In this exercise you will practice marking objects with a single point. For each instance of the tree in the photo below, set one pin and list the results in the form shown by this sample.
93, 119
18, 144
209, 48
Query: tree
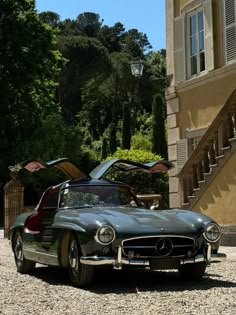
111, 37
104, 150
141, 182
126, 132
159, 143
50, 18
29, 69
135, 43
87, 58
89, 23
112, 140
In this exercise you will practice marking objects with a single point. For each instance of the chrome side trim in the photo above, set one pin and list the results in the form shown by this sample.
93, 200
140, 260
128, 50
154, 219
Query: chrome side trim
26, 230
40, 257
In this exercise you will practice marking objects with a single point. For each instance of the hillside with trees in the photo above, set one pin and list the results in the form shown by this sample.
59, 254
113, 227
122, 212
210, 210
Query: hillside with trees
66, 89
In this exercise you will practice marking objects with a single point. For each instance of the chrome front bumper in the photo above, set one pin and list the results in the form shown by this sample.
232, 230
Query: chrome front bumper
119, 261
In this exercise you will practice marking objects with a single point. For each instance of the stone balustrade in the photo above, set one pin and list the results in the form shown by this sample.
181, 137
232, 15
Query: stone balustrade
218, 139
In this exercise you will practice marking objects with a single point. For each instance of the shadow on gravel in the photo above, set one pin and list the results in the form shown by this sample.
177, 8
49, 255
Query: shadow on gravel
120, 282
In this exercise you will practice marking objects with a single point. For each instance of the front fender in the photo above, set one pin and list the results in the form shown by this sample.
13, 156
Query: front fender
64, 237
68, 226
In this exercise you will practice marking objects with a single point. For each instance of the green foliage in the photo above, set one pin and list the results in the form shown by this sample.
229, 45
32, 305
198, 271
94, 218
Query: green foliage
126, 132
89, 23
29, 70
50, 18
112, 139
104, 150
135, 43
87, 59
159, 142
135, 155
111, 37
141, 142
97, 81
52, 140
64, 85
157, 61
141, 182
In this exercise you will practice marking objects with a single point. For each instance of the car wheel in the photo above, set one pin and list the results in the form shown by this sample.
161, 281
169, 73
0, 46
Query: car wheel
23, 265
80, 275
192, 271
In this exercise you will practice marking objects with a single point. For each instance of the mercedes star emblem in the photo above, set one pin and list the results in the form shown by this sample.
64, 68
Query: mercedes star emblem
164, 246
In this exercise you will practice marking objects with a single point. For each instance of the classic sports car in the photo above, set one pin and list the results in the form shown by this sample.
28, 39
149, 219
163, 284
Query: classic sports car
89, 221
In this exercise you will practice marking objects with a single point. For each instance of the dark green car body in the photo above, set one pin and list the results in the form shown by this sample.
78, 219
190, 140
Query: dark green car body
82, 235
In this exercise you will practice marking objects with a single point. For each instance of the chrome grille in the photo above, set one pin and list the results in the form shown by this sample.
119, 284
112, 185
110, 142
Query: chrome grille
159, 246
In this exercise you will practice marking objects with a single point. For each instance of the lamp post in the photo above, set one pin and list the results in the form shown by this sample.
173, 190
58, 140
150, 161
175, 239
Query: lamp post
136, 68
137, 71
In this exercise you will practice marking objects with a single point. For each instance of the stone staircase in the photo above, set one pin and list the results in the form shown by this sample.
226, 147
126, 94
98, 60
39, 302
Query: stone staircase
215, 148
209, 158
208, 177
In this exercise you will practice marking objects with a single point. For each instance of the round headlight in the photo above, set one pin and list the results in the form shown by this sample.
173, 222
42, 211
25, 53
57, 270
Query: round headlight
105, 235
212, 232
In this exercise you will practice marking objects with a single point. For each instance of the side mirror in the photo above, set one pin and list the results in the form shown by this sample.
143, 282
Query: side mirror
155, 205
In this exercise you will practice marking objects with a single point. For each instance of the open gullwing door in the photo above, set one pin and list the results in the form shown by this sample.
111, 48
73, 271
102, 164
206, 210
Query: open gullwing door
64, 164
130, 166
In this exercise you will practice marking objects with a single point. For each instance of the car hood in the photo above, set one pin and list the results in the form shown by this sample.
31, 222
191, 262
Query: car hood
141, 220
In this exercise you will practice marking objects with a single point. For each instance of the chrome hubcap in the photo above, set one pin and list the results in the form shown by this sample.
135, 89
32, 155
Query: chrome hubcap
18, 248
73, 256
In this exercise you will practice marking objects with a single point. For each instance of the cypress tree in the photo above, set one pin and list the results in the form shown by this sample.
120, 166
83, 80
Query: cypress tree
159, 143
113, 141
104, 150
126, 131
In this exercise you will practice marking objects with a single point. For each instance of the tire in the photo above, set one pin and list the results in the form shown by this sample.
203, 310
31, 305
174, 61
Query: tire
23, 265
192, 271
80, 275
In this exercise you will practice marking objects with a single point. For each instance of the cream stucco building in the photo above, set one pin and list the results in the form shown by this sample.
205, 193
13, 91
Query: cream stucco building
201, 107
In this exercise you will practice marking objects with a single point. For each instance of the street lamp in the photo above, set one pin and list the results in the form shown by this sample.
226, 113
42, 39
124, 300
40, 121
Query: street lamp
136, 68
137, 71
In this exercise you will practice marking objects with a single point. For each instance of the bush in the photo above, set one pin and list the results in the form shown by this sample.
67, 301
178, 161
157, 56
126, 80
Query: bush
141, 182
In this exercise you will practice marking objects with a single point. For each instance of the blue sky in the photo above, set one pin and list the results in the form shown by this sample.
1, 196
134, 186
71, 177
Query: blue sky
146, 16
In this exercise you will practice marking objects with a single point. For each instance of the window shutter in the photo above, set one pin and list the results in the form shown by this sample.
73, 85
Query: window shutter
230, 30
179, 49
182, 153
208, 31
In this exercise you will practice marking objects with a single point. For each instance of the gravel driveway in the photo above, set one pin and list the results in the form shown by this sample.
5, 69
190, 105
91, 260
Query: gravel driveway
47, 291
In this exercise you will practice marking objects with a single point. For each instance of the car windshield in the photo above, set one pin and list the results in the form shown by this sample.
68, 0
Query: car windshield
97, 196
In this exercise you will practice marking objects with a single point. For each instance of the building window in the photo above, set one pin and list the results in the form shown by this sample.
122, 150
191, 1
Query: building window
196, 42
193, 40
229, 8
188, 144
192, 144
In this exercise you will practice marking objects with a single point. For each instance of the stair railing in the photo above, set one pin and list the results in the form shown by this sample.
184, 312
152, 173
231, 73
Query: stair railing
209, 150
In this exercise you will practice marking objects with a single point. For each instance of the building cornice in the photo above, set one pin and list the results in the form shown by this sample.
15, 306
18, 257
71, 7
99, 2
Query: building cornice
209, 77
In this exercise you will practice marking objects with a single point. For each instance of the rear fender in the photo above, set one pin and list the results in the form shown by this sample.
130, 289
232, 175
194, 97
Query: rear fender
13, 232
19, 224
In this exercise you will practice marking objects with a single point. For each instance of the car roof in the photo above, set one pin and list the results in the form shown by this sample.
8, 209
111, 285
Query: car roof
93, 182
